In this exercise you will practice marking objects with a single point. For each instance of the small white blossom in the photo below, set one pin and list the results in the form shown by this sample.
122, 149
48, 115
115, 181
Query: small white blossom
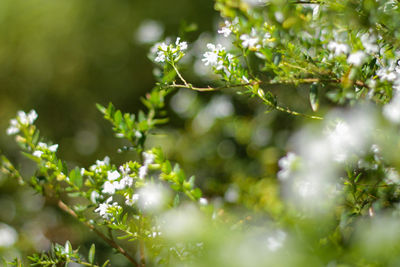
53, 148
22, 119
13, 129
109, 188
37, 153
166, 51
356, 58
104, 208
338, 48
391, 111
111, 176
368, 40
288, 165
213, 57
130, 201
251, 41
275, 241
227, 29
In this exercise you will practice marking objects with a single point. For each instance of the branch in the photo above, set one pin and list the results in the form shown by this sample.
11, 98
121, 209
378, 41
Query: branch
109, 241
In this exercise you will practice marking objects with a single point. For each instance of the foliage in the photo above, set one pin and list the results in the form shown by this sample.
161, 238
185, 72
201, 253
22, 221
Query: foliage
333, 201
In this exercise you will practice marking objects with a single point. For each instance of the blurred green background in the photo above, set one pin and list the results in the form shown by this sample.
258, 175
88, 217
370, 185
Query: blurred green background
60, 58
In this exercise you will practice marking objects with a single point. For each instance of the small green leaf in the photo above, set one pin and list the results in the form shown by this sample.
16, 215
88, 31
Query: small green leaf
76, 177
105, 263
117, 117
314, 98
101, 108
91, 254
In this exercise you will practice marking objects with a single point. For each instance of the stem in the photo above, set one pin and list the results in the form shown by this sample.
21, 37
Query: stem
109, 241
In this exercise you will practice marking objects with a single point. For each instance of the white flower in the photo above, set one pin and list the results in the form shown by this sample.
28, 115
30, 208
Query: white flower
338, 48
37, 153
275, 241
182, 46
111, 176
53, 148
151, 197
108, 188
149, 31
104, 208
251, 41
288, 164
391, 111
143, 171
22, 119
13, 129
130, 201
164, 51
227, 29
94, 196
148, 158
356, 58
368, 40
8, 235
212, 57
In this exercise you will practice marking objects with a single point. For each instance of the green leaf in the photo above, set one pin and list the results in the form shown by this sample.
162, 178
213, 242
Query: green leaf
105, 263
117, 117
76, 177
314, 97
101, 108
91, 253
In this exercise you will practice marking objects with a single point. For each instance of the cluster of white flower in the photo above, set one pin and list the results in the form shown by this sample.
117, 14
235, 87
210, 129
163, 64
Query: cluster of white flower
22, 120
169, 52
107, 208
150, 197
112, 184
338, 48
252, 41
214, 56
391, 111
368, 40
229, 27
357, 58
42, 148
100, 164
148, 159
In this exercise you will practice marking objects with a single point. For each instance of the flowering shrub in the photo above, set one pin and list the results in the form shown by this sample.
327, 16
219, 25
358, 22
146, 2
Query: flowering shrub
334, 199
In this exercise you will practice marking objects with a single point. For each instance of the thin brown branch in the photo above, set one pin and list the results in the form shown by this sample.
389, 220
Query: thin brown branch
109, 241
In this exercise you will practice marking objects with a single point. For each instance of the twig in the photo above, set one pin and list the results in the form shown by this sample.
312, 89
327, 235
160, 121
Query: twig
109, 241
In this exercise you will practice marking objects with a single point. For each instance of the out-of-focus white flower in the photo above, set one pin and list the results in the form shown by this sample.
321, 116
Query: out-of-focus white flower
111, 176
338, 48
276, 240
130, 201
288, 165
8, 235
109, 188
368, 40
37, 153
151, 197
149, 31
251, 41
356, 58
391, 111
94, 196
